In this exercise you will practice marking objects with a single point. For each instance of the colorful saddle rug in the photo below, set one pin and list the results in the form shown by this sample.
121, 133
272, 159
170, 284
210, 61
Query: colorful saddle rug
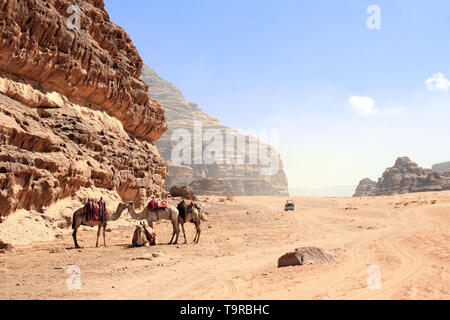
95, 211
156, 205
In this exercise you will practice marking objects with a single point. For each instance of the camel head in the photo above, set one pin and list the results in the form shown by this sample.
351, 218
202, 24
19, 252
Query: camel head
204, 216
139, 236
125, 205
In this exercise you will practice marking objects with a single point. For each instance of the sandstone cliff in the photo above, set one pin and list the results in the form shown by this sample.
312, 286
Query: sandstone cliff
441, 167
242, 179
407, 177
73, 110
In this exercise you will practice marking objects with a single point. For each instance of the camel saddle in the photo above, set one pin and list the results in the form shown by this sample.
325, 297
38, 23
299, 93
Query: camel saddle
156, 205
95, 211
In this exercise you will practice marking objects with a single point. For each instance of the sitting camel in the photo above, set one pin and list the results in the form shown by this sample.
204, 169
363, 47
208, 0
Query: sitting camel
144, 235
80, 218
170, 213
191, 212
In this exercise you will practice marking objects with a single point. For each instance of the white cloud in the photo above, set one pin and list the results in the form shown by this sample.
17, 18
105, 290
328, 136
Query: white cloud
363, 106
394, 111
438, 82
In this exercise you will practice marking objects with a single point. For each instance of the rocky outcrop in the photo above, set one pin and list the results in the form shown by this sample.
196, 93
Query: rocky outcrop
48, 154
182, 192
211, 187
366, 188
244, 179
96, 66
304, 256
407, 177
73, 110
441, 167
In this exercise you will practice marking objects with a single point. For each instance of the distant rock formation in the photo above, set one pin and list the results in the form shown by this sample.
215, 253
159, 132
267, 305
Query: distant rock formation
73, 110
407, 177
441, 167
243, 179
179, 175
211, 187
366, 188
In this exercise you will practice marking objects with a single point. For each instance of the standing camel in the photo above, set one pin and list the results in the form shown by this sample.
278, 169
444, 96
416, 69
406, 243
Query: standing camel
170, 213
80, 218
190, 213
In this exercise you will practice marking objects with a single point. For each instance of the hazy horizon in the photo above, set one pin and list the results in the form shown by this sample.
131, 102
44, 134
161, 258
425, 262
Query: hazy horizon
346, 99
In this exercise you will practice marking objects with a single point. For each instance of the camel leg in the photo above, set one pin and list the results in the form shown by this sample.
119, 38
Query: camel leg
76, 225
104, 234
184, 232
98, 234
74, 235
150, 222
176, 230
171, 239
196, 232
199, 231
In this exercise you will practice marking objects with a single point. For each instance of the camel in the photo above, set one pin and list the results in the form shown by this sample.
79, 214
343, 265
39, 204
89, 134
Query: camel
170, 213
143, 236
79, 218
191, 213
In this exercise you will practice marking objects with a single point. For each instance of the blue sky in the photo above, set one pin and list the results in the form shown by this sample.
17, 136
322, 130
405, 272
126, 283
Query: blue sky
295, 65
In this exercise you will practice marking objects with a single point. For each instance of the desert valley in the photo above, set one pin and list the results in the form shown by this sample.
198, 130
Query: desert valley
406, 236
82, 118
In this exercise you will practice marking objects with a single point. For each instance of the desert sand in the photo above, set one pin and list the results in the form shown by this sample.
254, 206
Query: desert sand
406, 236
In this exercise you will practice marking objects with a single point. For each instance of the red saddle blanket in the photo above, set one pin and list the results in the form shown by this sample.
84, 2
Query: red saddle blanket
155, 205
95, 211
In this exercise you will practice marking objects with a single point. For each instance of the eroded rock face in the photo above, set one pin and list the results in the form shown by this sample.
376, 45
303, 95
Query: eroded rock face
407, 177
366, 188
49, 154
96, 66
211, 187
73, 111
179, 175
243, 179
303, 256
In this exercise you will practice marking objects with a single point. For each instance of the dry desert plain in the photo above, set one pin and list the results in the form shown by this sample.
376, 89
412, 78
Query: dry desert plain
406, 236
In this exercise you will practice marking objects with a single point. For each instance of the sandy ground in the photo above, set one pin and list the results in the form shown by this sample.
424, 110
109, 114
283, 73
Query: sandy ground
407, 237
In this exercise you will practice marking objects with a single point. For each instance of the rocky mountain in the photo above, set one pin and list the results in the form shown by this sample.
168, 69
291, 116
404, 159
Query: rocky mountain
243, 179
405, 177
366, 188
441, 167
74, 112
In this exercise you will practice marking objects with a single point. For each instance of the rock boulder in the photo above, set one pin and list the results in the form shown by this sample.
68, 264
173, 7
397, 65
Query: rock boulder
183, 192
305, 255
